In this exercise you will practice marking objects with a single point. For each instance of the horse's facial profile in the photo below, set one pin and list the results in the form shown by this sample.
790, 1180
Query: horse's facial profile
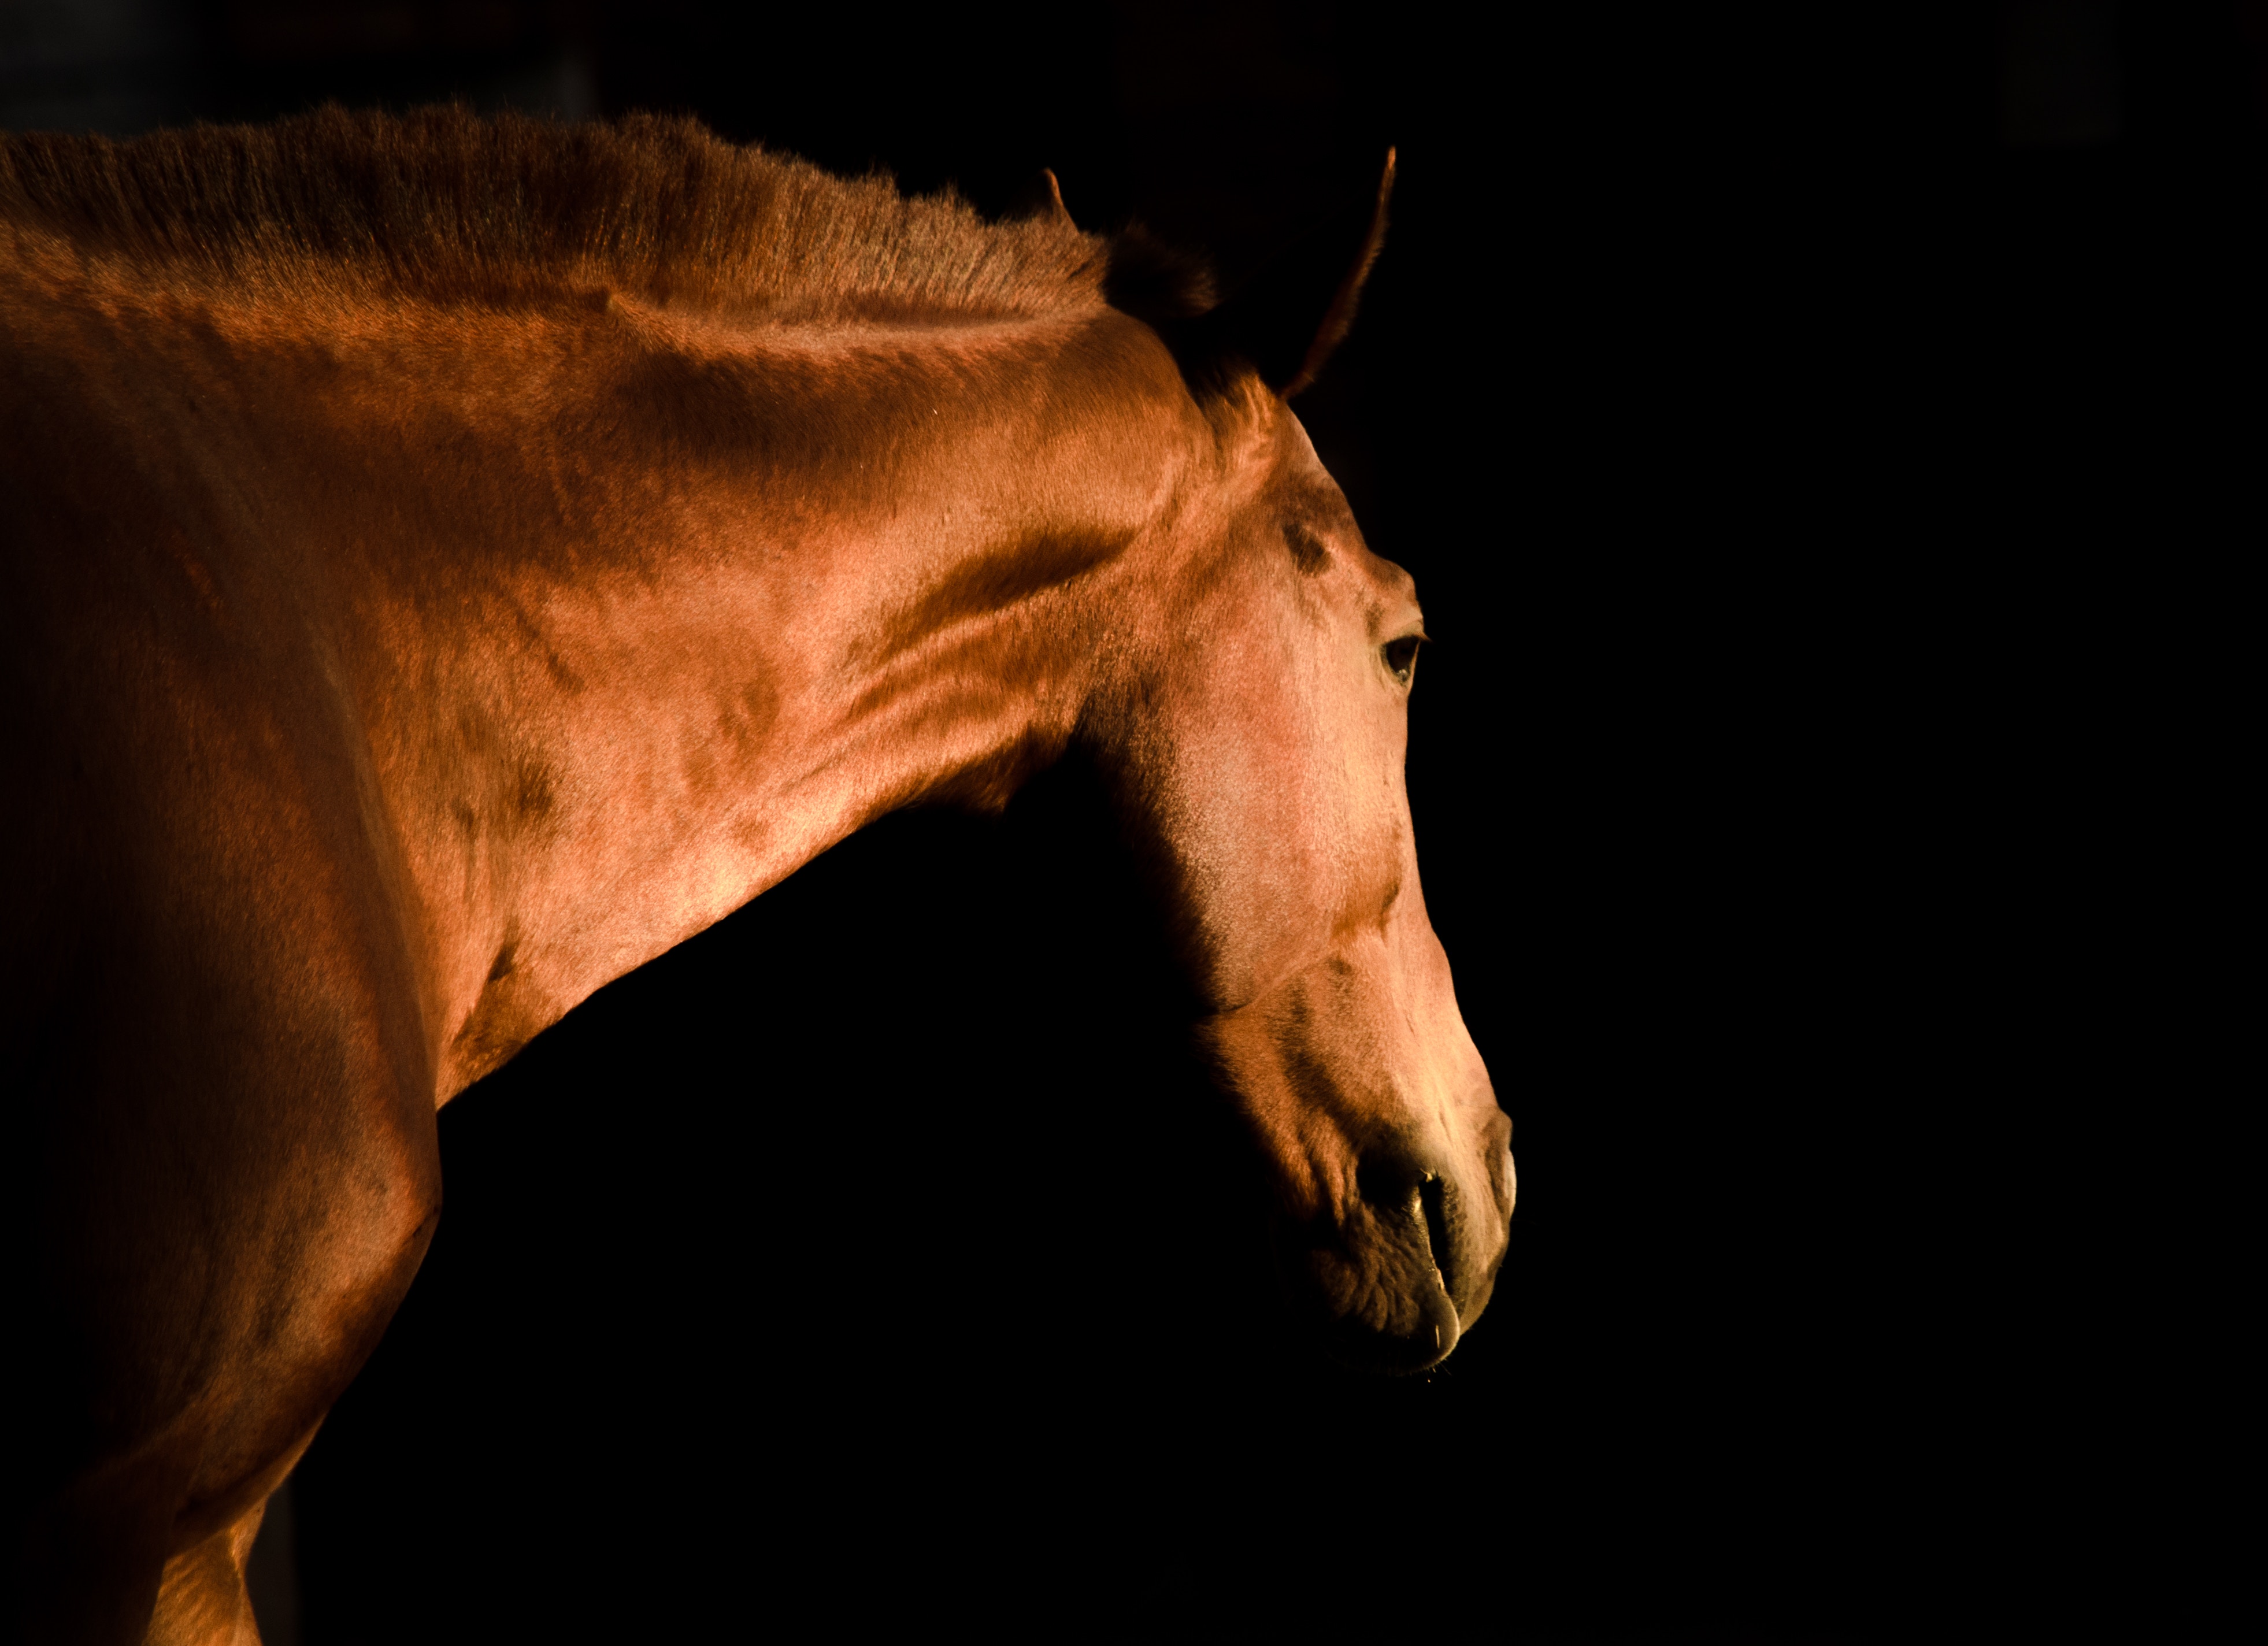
1268, 753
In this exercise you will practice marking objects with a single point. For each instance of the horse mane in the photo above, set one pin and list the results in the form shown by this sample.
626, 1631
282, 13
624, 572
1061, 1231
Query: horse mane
447, 205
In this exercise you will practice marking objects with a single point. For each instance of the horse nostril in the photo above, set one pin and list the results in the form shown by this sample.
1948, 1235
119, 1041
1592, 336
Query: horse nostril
1402, 1189
1401, 1256
1431, 1196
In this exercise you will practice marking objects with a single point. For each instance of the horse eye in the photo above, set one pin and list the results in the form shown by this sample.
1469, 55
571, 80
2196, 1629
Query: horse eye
1401, 656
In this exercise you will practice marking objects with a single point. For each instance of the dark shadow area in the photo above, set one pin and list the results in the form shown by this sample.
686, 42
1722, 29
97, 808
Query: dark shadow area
1790, 436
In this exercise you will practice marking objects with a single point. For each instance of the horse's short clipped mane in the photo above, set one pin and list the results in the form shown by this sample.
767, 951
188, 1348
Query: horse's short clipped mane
448, 206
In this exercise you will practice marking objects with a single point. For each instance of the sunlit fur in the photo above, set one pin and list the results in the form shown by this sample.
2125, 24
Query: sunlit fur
447, 564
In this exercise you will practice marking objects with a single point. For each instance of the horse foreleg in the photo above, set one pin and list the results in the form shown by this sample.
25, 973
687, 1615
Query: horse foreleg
202, 1596
192, 1415
201, 1600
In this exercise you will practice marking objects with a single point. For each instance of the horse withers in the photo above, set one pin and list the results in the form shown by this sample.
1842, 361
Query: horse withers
451, 562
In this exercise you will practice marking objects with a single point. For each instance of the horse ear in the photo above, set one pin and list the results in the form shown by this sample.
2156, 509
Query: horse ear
1058, 210
1288, 319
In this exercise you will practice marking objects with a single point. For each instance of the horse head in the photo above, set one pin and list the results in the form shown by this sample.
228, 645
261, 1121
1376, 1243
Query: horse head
1263, 752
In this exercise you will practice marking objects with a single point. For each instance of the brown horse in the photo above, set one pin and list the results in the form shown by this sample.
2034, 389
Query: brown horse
449, 562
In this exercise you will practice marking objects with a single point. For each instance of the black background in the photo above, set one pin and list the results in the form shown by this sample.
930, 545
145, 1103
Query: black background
1763, 411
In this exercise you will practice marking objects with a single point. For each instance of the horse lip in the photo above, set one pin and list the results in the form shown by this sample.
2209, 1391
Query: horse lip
1370, 1347
1447, 1328
1364, 1348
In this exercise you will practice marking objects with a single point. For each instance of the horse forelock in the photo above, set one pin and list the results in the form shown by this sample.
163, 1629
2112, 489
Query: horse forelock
446, 204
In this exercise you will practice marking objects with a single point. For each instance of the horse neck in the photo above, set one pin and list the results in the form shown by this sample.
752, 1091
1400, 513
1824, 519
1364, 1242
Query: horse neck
686, 610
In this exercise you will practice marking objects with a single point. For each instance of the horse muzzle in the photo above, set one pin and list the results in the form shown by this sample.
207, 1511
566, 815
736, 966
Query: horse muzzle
1406, 1264
1392, 1162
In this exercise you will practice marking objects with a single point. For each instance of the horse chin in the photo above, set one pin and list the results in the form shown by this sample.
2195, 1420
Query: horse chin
1359, 1347
1370, 1290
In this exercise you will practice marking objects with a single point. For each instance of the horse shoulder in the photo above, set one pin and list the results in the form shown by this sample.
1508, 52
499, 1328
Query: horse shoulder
227, 1157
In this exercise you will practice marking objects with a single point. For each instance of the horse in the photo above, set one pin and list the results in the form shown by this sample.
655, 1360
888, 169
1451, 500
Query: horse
450, 561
